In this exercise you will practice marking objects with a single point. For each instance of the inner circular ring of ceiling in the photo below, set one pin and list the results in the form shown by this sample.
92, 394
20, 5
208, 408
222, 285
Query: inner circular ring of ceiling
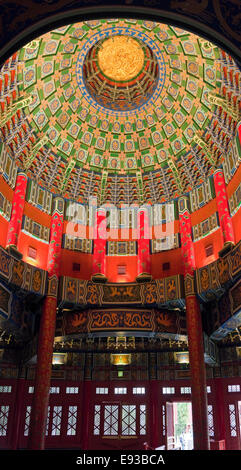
103, 35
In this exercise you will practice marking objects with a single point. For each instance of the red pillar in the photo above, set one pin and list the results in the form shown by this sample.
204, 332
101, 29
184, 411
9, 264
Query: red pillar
143, 257
46, 334
155, 413
15, 223
87, 389
99, 253
225, 218
194, 330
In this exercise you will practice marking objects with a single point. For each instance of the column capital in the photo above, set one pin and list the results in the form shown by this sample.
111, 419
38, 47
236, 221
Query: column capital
21, 172
184, 204
189, 284
218, 171
58, 205
223, 207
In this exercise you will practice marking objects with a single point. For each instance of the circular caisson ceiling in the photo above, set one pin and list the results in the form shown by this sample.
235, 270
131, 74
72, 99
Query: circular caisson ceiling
124, 110
120, 73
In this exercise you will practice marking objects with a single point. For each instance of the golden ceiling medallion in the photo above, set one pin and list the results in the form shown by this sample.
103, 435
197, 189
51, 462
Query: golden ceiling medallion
121, 58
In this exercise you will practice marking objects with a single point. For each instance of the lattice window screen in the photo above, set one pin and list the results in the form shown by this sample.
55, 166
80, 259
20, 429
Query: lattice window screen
4, 412
97, 420
210, 421
128, 420
142, 419
111, 420
27, 420
232, 420
72, 421
56, 423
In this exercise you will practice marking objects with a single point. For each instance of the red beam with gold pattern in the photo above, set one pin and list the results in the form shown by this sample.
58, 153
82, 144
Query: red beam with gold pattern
143, 258
15, 222
223, 208
99, 252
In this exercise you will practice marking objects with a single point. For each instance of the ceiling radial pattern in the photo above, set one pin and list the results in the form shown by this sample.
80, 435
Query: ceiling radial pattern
129, 111
120, 73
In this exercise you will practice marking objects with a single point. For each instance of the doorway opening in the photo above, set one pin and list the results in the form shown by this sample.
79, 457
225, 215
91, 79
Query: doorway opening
183, 428
179, 428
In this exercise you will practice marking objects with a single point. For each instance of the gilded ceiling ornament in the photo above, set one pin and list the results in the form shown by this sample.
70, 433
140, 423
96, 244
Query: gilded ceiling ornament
121, 58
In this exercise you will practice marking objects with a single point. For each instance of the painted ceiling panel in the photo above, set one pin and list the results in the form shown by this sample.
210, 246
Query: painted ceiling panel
85, 119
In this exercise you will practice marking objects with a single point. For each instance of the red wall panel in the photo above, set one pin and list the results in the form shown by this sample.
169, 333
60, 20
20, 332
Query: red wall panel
112, 263
173, 257
68, 258
25, 241
214, 239
3, 231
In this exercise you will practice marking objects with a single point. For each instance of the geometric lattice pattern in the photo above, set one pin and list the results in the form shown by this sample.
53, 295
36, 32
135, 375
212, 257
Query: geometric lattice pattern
128, 420
97, 420
113, 92
72, 421
142, 419
111, 420
210, 421
119, 419
4, 411
232, 420
56, 421
27, 420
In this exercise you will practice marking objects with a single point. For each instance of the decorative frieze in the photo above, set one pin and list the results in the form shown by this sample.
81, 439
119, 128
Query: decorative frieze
235, 201
5, 207
77, 244
201, 195
88, 321
125, 248
168, 290
212, 279
170, 242
7, 166
39, 197
35, 229
22, 275
205, 227
232, 158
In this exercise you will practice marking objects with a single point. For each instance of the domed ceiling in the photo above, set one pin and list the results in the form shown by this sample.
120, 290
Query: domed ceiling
124, 110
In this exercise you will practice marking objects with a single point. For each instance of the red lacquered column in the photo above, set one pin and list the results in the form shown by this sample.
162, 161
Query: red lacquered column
195, 334
15, 222
143, 256
87, 421
46, 333
155, 413
223, 208
99, 252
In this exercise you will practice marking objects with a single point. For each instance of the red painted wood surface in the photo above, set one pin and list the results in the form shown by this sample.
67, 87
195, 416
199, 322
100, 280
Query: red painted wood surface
18, 202
84, 435
223, 208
